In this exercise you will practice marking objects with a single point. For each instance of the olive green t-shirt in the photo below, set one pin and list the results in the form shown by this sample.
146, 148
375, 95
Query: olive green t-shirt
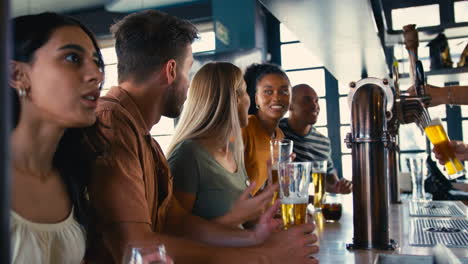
196, 171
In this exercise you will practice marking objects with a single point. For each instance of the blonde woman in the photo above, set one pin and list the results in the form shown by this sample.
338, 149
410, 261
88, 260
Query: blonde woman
206, 153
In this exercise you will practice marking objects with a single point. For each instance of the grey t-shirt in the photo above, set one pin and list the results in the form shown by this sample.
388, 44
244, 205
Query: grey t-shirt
196, 171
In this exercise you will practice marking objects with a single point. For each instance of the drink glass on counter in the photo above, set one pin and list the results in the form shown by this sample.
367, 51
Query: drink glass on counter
332, 207
438, 137
280, 151
416, 169
294, 179
319, 172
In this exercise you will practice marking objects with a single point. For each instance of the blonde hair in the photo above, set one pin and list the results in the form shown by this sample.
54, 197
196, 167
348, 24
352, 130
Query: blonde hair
211, 109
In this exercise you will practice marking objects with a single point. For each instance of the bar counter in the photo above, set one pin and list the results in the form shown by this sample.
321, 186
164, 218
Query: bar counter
333, 237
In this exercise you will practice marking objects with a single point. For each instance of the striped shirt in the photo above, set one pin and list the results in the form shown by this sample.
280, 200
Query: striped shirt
313, 146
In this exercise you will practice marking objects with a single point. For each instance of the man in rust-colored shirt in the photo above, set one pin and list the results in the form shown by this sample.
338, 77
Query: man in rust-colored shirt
131, 182
131, 189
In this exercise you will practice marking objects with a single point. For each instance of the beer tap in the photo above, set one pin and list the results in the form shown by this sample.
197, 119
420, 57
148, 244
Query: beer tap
377, 110
412, 109
407, 108
371, 101
393, 157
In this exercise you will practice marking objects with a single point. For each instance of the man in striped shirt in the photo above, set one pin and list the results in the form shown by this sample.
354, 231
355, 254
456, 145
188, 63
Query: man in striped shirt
309, 144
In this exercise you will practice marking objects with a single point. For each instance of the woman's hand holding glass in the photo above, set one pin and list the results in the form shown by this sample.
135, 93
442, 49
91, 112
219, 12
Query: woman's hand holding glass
248, 208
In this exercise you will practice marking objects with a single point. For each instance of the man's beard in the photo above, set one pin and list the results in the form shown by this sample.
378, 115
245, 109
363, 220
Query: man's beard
173, 105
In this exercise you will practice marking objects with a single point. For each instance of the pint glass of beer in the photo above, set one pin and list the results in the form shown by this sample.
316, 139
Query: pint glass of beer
294, 179
436, 134
319, 172
280, 151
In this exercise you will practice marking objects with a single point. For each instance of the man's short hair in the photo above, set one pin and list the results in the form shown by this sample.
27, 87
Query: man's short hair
296, 87
145, 40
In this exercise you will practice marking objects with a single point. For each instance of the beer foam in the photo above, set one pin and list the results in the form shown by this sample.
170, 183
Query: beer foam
435, 122
289, 200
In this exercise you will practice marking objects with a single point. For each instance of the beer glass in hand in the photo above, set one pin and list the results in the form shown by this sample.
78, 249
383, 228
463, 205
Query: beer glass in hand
438, 137
294, 179
280, 151
319, 172
146, 255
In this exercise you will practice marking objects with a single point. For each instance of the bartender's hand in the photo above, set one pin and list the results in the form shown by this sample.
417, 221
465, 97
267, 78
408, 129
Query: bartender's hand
460, 149
438, 95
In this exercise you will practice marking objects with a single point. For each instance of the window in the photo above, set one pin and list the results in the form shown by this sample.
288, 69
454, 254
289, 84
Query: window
297, 57
423, 16
315, 78
464, 112
345, 128
286, 35
456, 47
345, 110
206, 42
110, 69
438, 112
461, 11
465, 130
347, 165
302, 66
164, 130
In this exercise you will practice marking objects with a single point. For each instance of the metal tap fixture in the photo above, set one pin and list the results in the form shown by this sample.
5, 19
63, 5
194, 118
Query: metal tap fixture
371, 101
377, 110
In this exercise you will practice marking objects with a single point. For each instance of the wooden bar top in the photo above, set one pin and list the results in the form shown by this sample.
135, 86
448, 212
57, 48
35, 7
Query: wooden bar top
333, 237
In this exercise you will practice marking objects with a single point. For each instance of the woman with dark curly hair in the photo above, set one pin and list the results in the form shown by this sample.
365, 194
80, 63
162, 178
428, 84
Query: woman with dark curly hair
268, 87
56, 73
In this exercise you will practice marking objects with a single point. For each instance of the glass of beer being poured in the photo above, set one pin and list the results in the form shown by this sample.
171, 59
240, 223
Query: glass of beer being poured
438, 137
294, 179
280, 151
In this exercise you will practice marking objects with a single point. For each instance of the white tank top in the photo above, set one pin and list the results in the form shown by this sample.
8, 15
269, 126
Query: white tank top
63, 242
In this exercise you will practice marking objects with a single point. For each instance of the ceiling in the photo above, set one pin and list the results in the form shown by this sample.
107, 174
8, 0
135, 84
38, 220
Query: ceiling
355, 38
341, 33
25, 7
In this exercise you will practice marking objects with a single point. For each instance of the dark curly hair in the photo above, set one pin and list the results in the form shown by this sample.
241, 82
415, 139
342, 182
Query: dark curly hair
255, 73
